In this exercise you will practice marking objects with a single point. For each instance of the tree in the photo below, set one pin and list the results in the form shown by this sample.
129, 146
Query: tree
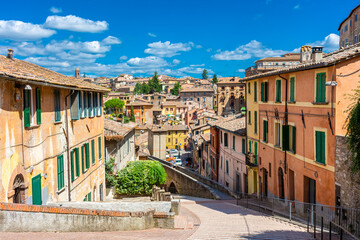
114, 105
154, 84
132, 114
214, 80
138, 88
176, 89
145, 88
205, 74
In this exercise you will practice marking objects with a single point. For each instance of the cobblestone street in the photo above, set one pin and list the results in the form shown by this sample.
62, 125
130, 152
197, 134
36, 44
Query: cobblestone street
213, 220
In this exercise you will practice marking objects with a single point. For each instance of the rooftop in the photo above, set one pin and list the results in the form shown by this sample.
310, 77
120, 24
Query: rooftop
116, 130
197, 90
15, 69
285, 57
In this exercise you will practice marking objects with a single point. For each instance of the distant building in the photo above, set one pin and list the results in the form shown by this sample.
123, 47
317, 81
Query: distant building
272, 63
157, 141
230, 96
202, 96
349, 28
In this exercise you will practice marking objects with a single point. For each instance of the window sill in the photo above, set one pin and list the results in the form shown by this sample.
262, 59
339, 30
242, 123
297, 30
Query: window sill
277, 146
322, 164
320, 103
291, 102
277, 102
60, 191
58, 122
32, 127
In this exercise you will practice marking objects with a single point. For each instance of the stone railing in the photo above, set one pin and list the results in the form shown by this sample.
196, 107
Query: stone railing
159, 194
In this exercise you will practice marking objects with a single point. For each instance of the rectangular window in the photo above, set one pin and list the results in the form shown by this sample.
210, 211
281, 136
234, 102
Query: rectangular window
81, 107
38, 106
226, 139
227, 167
255, 153
234, 142
243, 147
85, 104
278, 91
98, 109
221, 137
255, 122
94, 104
72, 158
255, 91
83, 158
265, 131
292, 139
74, 100
87, 150
57, 108
27, 108
277, 134
60, 172
356, 17
221, 162
249, 91
249, 146
93, 151
292, 89
249, 116
77, 158
285, 137
320, 88
99, 141
90, 104
320, 146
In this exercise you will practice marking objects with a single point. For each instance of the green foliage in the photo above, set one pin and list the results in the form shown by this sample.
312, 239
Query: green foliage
126, 119
110, 178
114, 104
176, 89
214, 80
141, 88
138, 177
205, 74
138, 88
154, 84
353, 136
132, 114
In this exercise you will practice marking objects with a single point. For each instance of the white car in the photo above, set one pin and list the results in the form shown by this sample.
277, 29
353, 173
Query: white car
173, 152
178, 162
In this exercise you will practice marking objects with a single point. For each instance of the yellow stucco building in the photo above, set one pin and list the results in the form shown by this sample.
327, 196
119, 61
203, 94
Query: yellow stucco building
176, 136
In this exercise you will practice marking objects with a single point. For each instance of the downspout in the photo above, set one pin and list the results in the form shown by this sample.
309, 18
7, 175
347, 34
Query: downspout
286, 116
22, 128
67, 142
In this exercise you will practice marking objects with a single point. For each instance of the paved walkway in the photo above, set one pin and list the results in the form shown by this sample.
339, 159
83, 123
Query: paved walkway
213, 220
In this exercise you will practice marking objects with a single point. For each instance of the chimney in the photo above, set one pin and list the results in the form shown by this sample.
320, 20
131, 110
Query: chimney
10, 53
305, 54
317, 53
77, 73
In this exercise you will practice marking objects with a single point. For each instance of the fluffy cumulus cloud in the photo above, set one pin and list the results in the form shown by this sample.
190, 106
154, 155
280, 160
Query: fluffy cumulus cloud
76, 24
21, 31
330, 43
253, 49
176, 61
167, 49
150, 62
110, 40
55, 10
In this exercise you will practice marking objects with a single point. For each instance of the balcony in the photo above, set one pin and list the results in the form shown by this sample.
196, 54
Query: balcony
251, 160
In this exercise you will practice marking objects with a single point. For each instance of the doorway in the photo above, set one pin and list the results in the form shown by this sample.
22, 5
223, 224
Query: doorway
265, 184
291, 185
238, 184
19, 189
281, 183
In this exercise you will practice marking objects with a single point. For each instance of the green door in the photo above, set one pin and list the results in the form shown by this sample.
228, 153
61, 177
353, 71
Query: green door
36, 190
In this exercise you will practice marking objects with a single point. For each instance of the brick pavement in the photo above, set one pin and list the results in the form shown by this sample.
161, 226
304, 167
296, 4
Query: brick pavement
213, 220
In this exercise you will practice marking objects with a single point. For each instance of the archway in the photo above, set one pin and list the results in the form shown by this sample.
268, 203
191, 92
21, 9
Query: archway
172, 188
19, 189
281, 183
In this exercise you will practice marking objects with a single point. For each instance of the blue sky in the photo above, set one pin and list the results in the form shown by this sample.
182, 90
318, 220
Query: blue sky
176, 38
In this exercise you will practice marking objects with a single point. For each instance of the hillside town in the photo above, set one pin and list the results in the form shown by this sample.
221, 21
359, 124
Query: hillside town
279, 145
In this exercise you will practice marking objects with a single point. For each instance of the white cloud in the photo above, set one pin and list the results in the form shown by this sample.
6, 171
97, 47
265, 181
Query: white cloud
297, 7
241, 70
253, 49
89, 47
198, 46
110, 40
55, 10
330, 43
167, 49
152, 35
123, 57
197, 65
149, 62
21, 31
76, 24
176, 61
209, 49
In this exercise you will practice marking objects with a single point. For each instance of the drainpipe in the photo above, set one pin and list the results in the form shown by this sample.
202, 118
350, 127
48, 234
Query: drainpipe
286, 116
67, 142
22, 127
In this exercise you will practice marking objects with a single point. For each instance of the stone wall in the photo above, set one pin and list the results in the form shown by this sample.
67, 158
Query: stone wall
350, 190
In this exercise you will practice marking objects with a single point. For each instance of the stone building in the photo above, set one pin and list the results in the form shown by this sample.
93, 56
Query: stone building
119, 143
51, 138
202, 96
230, 96
349, 28
295, 128
273, 63
157, 141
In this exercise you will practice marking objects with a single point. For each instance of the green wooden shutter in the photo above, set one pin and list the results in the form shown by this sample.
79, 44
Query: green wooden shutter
285, 137
227, 166
255, 153
294, 139
100, 95
100, 147
262, 91
93, 150
94, 105
292, 89
320, 147
38, 106
249, 146
266, 89
77, 162
255, 122
60, 171
72, 165
249, 91
233, 142
85, 104
87, 155
265, 130
249, 116
81, 108
57, 105
320, 87
89, 196
243, 146
27, 108
36, 190
74, 108
83, 157
278, 90
89, 105
323, 87
255, 91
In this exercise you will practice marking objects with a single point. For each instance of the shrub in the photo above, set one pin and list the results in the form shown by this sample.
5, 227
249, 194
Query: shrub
110, 177
138, 177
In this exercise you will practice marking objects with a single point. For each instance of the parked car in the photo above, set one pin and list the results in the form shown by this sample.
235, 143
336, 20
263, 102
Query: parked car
174, 152
178, 162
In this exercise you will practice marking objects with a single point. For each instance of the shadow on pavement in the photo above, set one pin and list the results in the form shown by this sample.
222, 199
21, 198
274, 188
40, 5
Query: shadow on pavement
298, 235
